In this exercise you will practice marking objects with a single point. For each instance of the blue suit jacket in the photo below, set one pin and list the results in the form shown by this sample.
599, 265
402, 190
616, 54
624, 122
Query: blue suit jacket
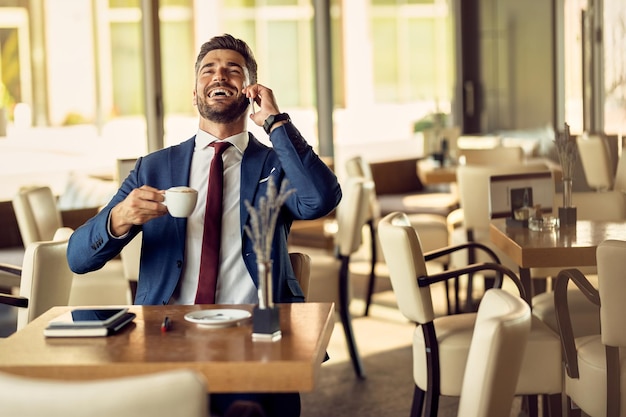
163, 248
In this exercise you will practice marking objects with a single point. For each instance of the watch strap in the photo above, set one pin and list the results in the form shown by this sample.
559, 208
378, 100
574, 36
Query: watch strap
274, 118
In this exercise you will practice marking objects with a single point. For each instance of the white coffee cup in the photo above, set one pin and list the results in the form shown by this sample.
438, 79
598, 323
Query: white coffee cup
180, 201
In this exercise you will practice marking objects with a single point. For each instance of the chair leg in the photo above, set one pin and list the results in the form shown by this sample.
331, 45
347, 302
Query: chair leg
551, 405
418, 402
346, 319
372, 280
457, 304
529, 404
432, 364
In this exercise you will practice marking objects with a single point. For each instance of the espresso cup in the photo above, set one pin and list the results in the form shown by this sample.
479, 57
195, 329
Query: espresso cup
180, 201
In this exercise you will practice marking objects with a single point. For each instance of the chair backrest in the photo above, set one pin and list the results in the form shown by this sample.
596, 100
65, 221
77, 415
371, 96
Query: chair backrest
405, 260
301, 264
611, 259
38, 216
591, 205
46, 279
596, 161
131, 253
619, 182
357, 167
473, 186
181, 393
352, 214
495, 355
500, 155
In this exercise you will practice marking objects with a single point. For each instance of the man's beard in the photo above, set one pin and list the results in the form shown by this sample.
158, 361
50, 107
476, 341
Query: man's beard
229, 114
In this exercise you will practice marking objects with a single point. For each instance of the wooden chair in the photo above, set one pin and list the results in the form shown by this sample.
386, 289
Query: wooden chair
495, 355
181, 393
301, 264
45, 280
441, 344
594, 363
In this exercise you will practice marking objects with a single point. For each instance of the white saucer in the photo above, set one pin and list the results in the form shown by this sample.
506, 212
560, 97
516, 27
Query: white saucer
223, 317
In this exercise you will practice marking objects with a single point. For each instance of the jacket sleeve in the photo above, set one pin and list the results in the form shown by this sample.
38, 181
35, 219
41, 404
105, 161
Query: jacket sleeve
317, 189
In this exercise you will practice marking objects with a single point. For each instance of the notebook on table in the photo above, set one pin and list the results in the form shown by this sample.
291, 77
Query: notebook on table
85, 322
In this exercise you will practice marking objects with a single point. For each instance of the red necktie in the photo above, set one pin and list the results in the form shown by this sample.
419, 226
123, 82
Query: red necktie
210, 258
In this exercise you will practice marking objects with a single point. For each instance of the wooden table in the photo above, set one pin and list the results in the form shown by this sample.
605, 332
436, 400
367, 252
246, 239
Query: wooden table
228, 358
567, 247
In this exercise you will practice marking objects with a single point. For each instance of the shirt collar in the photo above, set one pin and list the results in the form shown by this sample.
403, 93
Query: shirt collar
239, 141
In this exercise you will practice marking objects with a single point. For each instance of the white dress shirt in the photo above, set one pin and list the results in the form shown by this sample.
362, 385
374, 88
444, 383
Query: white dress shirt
234, 283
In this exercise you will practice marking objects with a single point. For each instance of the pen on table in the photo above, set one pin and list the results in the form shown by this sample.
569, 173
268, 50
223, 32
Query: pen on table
167, 323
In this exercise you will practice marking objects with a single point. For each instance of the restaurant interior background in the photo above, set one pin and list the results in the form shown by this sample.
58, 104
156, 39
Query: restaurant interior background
78, 77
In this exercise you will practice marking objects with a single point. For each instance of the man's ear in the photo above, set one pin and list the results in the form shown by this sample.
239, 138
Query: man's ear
195, 99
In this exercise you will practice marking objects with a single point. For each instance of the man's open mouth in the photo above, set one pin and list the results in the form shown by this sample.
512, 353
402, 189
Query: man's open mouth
220, 92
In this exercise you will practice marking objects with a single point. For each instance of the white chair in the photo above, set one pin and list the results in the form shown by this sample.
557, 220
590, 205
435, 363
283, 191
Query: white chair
131, 253
619, 182
432, 227
596, 161
330, 274
595, 372
38, 218
473, 184
441, 344
495, 355
37, 214
591, 205
45, 279
180, 393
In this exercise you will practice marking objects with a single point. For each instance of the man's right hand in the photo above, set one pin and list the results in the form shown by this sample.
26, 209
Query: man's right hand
140, 206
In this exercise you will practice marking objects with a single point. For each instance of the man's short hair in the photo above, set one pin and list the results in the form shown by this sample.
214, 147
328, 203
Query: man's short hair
227, 41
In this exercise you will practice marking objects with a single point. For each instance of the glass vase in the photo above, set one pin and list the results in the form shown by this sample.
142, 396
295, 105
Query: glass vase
264, 270
266, 316
567, 192
567, 213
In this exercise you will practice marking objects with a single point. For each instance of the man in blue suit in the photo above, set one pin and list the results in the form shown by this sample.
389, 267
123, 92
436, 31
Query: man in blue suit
226, 90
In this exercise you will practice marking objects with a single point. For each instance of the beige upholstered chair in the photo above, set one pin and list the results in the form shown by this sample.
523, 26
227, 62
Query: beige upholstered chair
495, 355
596, 161
594, 364
38, 218
37, 214
591, 205
619, 183
45, 280
330, 273
473, 184
432, 227
447, 338
180, 393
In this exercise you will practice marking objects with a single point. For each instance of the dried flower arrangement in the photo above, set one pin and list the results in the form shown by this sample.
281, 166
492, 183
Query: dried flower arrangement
567, 151
263, 219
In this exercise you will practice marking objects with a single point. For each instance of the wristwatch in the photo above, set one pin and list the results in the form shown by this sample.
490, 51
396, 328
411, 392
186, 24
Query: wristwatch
269, 122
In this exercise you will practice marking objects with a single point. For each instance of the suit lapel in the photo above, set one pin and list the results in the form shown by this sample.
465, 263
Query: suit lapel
251, 170
179, 162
